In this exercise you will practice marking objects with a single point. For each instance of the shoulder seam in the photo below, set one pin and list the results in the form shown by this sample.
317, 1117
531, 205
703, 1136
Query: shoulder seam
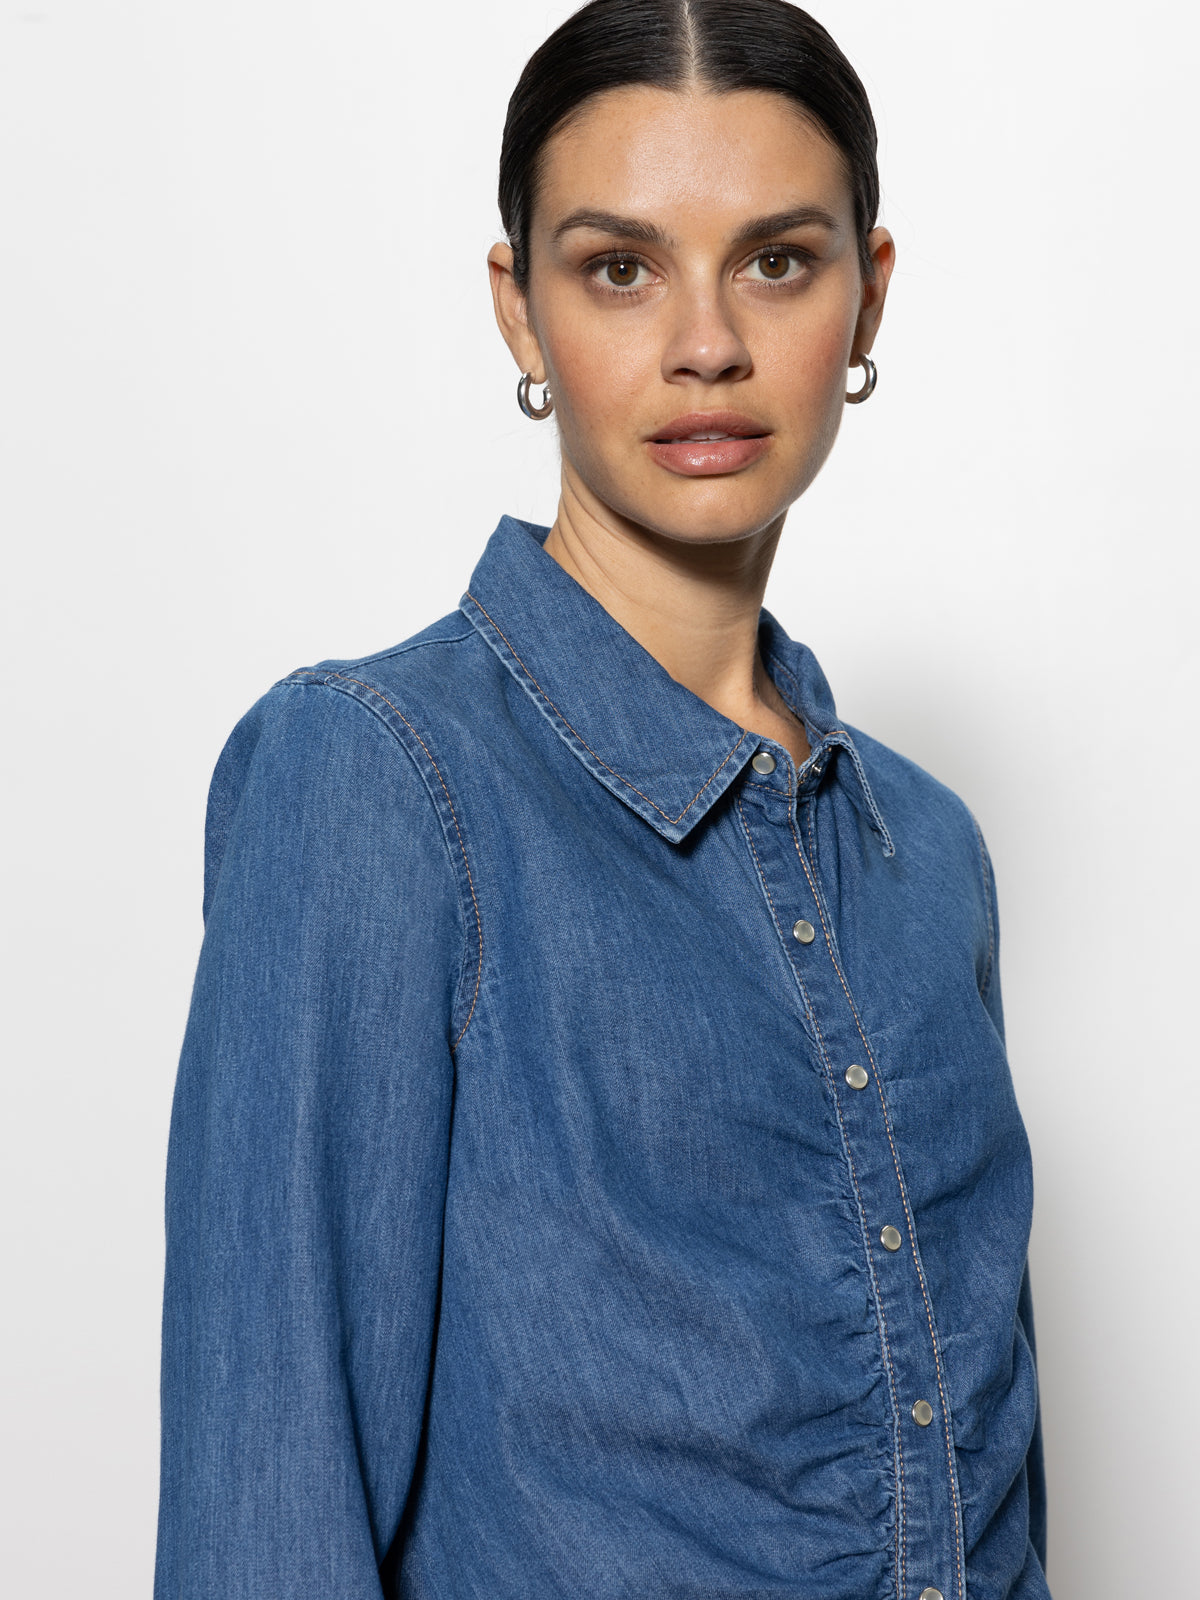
387, 655
321, 679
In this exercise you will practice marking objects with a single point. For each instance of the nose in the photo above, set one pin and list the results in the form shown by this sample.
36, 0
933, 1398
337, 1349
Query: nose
704, 342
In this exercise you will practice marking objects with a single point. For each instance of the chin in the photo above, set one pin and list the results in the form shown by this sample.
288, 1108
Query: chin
714, 520
712, 510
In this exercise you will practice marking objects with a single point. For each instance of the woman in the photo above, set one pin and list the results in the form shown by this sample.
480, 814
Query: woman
594, 1168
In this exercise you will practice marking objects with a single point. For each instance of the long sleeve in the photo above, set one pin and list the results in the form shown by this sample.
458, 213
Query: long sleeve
1034, 1461
307, 1161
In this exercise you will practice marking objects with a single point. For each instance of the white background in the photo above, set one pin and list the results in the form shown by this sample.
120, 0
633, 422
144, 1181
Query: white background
254, 411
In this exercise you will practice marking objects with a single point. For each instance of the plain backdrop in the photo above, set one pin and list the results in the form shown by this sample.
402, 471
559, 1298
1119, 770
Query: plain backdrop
254, 411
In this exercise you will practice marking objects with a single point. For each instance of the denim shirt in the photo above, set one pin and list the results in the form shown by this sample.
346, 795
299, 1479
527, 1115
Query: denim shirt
594, 1169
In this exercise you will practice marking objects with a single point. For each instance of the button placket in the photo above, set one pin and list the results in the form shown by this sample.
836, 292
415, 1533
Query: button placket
930, 1516
769, 784
930, 1488
927, 1526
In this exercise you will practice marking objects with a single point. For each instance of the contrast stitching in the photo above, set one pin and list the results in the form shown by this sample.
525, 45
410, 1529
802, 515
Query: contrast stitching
889, 848
767, 890
797, 712
788, 673
986, 985
588, 747
842, 738
912, 1230
453, 817
901, 1545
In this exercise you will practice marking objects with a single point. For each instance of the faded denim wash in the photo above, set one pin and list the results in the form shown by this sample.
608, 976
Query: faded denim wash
525, 1224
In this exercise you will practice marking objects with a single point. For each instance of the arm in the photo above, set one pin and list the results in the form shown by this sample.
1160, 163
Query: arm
307, 1161
1034, 1466
990, 993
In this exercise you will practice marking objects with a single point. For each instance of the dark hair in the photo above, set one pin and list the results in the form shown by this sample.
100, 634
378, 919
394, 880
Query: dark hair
721, 45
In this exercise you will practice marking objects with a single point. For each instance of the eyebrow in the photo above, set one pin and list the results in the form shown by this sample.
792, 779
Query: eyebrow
649, 233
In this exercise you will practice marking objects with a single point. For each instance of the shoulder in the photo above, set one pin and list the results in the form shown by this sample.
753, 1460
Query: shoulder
928, 820
418, 681
346, 749
350, 706
938, 843
908, 785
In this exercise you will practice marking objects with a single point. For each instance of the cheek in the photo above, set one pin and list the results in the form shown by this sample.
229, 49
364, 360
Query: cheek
807, 370
602, 372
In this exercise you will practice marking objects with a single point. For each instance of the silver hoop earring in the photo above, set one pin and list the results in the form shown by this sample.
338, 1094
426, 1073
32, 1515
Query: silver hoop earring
536, 413
868, 388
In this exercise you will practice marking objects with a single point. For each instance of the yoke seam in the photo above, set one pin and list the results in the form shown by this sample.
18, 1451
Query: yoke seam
393, 652
345, 678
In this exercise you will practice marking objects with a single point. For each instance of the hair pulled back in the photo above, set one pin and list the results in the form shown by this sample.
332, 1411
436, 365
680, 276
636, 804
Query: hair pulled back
719, 45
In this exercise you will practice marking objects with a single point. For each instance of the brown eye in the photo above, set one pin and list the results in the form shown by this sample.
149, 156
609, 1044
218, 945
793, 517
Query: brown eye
622, 273
774, 266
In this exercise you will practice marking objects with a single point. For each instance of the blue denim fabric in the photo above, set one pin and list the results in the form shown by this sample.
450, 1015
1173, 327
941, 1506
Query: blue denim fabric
523, 1226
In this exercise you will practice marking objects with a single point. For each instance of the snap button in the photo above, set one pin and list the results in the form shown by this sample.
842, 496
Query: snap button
922, 1413
932, 1594
804, 931
763, 761
856, 1076
890, 1238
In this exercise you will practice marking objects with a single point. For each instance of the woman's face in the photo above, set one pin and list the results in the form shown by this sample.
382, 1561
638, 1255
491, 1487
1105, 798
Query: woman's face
693, 269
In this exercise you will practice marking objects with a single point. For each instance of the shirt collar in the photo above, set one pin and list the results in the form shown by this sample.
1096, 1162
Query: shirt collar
666, 753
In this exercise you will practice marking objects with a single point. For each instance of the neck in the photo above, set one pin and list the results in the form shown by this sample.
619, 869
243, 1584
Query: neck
693, 606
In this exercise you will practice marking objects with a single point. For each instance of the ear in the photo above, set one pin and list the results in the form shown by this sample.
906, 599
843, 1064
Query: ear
883, 254
512, 313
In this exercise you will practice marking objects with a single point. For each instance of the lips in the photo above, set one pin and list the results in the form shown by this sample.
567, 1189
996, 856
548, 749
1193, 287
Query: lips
707, 425
705, 444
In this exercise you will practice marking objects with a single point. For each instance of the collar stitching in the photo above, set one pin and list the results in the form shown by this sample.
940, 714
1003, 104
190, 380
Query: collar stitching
588, 747
841, 736
795, 682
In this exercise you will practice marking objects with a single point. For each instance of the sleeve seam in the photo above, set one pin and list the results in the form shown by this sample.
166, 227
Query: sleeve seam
306, 678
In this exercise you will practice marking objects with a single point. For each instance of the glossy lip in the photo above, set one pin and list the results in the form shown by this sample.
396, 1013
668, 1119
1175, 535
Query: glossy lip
671, 448
732, 422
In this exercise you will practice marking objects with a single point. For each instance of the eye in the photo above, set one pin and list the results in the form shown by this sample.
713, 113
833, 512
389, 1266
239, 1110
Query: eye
774, 266
622, 273
778, 266
617, 273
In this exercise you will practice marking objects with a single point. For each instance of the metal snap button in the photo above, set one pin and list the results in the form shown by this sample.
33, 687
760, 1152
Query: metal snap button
890, 1238
804, 931
856, 1076
922, 1413
932, 1594
763, 761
